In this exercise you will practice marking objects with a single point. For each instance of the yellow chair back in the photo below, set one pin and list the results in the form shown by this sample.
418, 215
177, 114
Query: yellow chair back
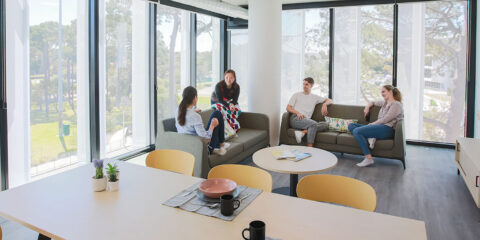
244, 175
171, 160
338, 189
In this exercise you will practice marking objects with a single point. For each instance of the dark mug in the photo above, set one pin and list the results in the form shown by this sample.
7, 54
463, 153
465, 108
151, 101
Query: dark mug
227, 205
256, 230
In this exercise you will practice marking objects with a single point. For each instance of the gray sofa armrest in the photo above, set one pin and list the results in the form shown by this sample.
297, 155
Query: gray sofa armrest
254, 121
187, 143
285, 124
399, 140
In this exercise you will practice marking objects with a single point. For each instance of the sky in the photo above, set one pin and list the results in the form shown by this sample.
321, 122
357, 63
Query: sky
48, 10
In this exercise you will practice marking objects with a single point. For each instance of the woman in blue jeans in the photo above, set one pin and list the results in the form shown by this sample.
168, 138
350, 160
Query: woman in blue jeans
188, 121
391, 112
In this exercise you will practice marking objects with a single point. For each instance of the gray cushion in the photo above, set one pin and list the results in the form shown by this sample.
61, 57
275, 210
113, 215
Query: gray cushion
327, 137
249, 137
169, 125
348, 140
233, 150
323, 137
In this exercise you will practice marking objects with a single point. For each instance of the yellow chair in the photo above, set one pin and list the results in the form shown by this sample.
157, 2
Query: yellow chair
338, 189
243, 175
0, 232
171, 160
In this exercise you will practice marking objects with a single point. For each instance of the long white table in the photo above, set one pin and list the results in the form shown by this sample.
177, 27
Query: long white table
64, 206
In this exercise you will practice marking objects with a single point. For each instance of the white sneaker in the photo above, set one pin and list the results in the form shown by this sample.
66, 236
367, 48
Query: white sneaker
220, 151
226, 145
371, 142
299, 135
365, 163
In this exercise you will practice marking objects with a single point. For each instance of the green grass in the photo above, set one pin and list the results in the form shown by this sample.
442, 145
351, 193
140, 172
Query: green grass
46, 145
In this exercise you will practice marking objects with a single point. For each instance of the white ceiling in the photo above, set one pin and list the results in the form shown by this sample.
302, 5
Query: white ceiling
245, 2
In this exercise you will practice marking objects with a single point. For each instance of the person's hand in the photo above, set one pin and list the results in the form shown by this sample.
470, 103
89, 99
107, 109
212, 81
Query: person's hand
232, 107
214, 122
366, 111
300, 116
198, 110
324, 110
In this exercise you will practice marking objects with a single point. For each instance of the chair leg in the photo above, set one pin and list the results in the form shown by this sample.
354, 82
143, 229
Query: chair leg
404, 164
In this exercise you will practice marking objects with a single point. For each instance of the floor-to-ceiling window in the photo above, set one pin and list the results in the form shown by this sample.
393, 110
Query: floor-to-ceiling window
432, 68
124, 79
47, 86
208, 57
239, 63
363, 53
173, 58
305, 51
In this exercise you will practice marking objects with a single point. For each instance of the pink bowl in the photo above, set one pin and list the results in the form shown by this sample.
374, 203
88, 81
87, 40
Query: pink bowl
216, 187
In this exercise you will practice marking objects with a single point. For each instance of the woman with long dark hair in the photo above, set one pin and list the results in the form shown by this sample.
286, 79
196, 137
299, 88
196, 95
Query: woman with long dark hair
227, 91
391, 112
188, 121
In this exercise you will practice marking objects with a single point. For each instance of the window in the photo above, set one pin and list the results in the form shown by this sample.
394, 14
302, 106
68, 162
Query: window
173, 58
239, 63
363, 54
208, 58
305, 51
124, 79
47, 85
432, 69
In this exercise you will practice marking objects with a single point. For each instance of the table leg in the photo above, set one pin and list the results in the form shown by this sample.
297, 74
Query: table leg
43, 237
293, 184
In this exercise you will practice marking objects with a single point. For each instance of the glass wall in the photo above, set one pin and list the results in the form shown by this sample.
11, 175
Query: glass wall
432, 69
47, 86
305, 51
363, 54
124, 80
239, 63
173, 58
208, 58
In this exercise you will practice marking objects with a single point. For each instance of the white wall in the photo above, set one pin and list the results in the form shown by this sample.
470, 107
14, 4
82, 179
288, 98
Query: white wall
264, 55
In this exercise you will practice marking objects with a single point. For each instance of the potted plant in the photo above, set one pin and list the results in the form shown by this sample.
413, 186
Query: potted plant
99, 182
112, 172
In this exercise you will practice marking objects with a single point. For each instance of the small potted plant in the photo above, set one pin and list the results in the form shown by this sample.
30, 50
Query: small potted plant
99, 182
112, 172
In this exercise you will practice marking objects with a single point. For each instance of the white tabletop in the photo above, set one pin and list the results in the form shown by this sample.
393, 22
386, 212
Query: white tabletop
320, 160
64, 206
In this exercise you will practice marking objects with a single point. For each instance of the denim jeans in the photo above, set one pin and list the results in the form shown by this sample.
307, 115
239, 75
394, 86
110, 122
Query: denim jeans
362, 132
218, 134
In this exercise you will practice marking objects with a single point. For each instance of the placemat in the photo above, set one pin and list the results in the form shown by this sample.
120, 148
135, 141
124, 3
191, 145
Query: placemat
188, 201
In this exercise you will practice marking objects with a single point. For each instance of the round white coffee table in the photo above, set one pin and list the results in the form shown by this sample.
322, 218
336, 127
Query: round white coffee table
320, 161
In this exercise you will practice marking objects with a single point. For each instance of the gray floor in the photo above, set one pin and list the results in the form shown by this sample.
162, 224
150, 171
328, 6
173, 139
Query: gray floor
429, 190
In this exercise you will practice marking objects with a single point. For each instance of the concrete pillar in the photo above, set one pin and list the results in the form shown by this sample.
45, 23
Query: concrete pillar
264, 57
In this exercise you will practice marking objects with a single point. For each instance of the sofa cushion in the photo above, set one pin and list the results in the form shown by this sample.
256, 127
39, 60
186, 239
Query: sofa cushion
234, 150
323, 137
327, 137
249, 137
348, 140
169, 125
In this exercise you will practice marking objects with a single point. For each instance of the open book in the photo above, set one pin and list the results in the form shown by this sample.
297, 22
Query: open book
293, 155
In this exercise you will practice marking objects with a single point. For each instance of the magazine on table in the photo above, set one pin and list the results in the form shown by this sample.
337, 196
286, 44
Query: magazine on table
287, 154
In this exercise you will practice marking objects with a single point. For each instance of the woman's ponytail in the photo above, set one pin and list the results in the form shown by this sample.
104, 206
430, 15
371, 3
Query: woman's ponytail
188, 95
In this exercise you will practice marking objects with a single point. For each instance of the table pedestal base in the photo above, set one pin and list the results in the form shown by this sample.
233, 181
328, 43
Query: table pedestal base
292, 190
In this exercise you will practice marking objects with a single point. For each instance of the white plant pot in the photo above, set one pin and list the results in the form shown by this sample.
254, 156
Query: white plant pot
99, 184
112, 186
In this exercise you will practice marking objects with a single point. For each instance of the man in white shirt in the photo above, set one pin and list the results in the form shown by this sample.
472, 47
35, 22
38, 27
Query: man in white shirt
301, 105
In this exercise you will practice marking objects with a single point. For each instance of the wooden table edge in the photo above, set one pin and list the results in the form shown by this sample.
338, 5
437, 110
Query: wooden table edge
32, 227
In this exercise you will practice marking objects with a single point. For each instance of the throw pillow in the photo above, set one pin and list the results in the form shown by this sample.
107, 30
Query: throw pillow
338, 124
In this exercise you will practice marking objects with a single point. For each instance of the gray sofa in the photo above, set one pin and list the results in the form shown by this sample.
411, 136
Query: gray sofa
344, 142
252, 136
